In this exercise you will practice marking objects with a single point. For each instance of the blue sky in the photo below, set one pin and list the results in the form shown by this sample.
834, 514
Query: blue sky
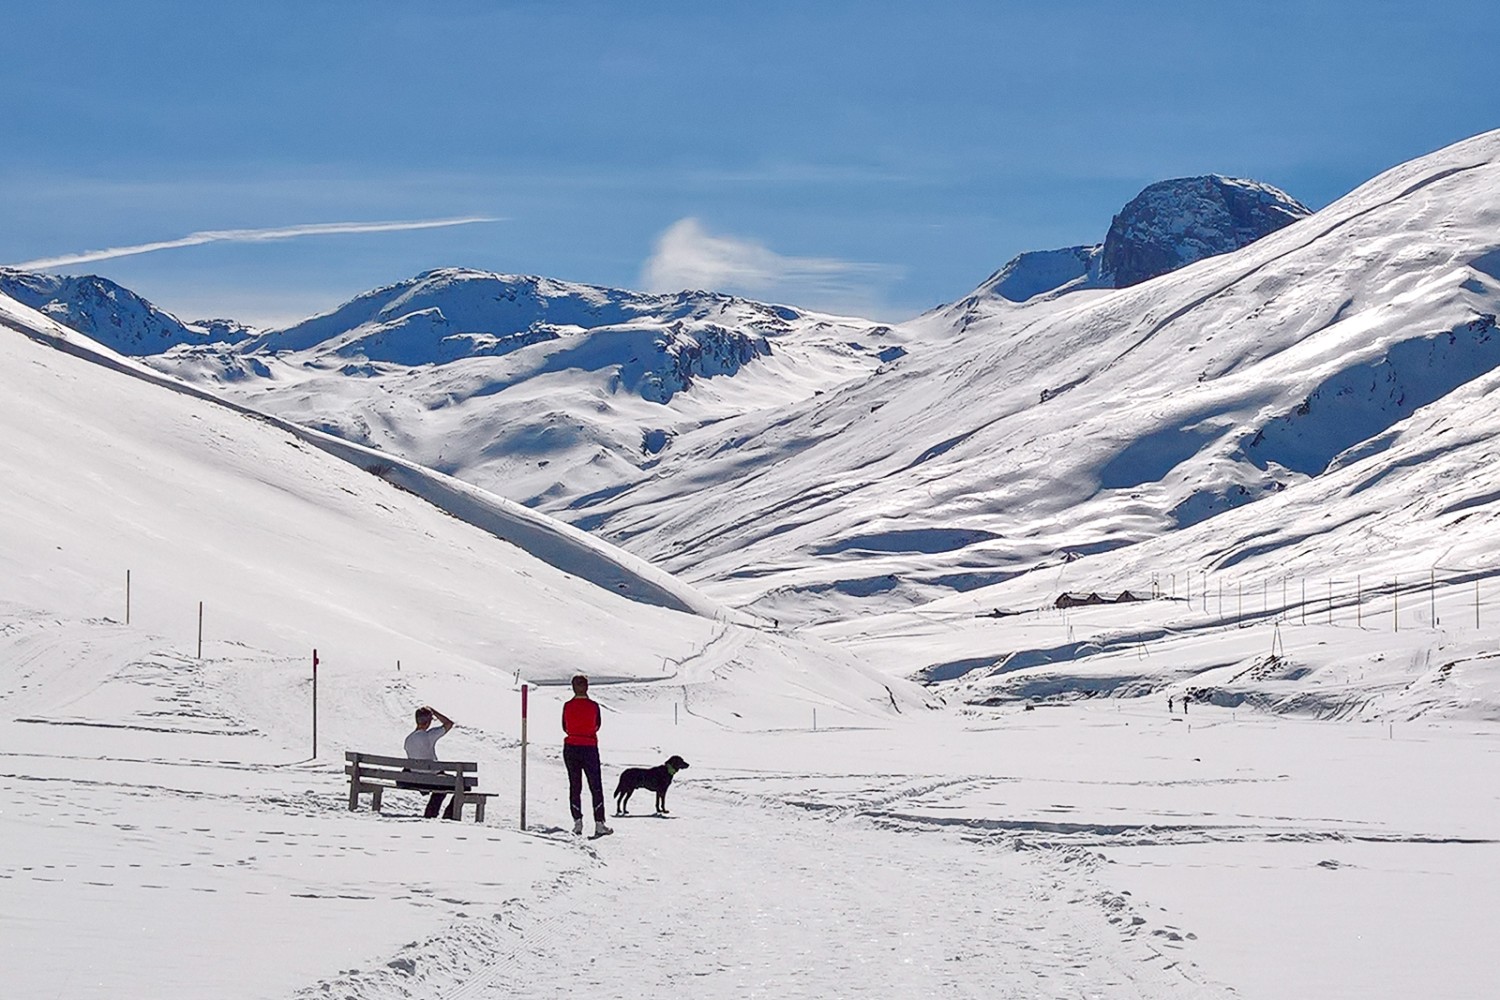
871, 157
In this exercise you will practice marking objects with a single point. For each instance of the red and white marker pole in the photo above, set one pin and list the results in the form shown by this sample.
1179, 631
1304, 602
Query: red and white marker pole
315, 704
524, 690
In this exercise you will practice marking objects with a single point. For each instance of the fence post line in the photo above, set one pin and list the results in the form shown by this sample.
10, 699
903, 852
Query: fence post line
525, 688
200, 630
315, 705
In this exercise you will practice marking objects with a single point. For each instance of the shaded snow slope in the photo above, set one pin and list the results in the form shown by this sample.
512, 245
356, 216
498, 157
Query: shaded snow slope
1053, 429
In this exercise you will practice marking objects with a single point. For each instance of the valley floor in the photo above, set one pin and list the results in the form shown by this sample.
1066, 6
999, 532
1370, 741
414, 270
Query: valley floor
164, 836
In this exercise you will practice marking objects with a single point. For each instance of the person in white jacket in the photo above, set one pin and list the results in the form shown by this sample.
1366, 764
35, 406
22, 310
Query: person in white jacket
421, 744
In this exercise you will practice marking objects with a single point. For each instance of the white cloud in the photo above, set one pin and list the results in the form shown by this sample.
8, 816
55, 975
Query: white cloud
248, 236
687, 256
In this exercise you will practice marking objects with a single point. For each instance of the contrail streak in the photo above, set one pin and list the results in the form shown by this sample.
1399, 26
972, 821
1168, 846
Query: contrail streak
249, 236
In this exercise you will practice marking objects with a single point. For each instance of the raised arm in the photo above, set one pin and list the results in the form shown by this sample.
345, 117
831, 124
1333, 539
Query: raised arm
447, 722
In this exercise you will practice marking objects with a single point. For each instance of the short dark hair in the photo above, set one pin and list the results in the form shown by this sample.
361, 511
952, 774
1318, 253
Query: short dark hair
424, 715
580, 684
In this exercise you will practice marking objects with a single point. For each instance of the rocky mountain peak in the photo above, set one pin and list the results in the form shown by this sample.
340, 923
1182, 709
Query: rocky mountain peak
1168, 225
1173, 223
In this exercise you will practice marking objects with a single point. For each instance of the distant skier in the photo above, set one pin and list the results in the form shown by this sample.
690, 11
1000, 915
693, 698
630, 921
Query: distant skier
581, 719
421, 744
1185, 699
1169, 705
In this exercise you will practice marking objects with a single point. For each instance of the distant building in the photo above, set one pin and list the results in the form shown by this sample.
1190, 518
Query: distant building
1073, 599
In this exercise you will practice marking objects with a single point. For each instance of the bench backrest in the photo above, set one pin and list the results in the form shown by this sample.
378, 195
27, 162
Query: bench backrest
430, 766
403, 771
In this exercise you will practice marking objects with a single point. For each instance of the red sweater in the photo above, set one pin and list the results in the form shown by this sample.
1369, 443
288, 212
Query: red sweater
580, 720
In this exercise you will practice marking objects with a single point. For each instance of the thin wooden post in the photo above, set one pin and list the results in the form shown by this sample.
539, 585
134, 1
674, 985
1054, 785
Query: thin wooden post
525, 688
815, 719
315, 704
200, 630
1359, 601
127, 597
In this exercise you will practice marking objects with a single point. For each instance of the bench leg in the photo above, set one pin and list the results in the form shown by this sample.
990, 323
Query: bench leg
479, 809
375, 798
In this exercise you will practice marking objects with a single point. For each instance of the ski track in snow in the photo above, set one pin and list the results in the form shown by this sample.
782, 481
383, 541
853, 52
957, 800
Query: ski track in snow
747, 899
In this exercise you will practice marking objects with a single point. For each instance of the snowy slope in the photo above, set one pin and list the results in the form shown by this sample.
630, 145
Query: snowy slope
536, 389
1051, 429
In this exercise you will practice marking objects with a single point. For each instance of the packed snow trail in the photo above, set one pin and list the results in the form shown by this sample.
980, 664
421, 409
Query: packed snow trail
735, 896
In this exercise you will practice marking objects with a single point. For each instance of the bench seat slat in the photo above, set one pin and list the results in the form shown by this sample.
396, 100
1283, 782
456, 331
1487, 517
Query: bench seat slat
436, 783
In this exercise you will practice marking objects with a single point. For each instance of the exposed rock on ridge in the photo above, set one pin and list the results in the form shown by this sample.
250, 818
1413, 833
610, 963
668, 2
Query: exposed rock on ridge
1173, 223
1167, 226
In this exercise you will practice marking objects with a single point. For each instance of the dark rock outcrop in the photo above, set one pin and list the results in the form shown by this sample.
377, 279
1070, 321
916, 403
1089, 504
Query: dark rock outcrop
1167, 226
1174, 223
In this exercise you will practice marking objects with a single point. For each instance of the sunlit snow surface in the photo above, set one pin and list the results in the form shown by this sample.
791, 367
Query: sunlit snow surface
1322, 823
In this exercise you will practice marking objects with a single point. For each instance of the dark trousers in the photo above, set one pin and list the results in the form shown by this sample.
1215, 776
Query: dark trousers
435, 805
583, 761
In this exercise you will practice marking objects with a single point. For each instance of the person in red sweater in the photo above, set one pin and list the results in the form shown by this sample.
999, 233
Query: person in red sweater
581, 719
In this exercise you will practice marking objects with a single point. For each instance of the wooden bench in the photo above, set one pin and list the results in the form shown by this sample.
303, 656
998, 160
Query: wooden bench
372, 773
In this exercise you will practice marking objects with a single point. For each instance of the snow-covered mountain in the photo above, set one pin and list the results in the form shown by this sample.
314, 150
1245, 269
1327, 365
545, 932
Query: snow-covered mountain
537, 389
298, 539
112, 314
1356, 346
1168, 225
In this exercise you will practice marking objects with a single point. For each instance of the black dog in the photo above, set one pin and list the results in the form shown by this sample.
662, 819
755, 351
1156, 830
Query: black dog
657, 778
